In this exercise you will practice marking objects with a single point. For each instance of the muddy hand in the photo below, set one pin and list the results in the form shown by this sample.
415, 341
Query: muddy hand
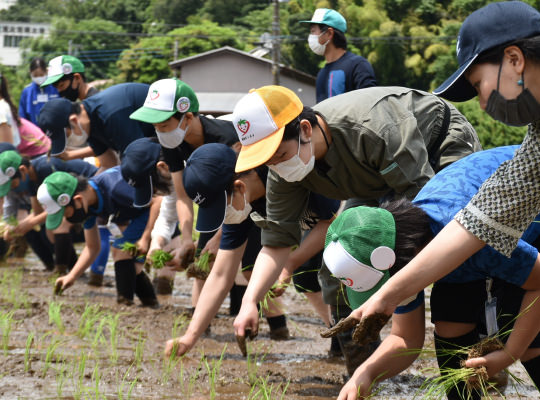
344, 324
58, 288
369, 328
241, 340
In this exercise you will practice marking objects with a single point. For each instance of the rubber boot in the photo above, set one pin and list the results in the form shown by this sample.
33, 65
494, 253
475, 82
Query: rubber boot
40, 244
235, 295
449, 357
98, 266
125, 275
145, 291
278, 327
64, 253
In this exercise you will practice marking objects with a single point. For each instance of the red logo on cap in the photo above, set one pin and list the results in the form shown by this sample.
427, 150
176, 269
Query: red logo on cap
154, 95
243, 126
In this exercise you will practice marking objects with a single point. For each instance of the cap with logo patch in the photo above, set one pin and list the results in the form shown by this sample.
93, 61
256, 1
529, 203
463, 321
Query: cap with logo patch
329, 17
54, 194
138, 161
259, 119
486, 28
165, 98
209, 172
53, 119
60, 66
359, 250
10, 162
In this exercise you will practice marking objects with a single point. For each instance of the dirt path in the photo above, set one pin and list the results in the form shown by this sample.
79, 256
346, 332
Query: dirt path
113, 352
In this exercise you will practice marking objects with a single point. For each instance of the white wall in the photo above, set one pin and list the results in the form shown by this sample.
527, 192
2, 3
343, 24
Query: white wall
11, 33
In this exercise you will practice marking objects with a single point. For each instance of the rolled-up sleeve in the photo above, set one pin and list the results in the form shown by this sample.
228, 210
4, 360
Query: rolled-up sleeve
509, 200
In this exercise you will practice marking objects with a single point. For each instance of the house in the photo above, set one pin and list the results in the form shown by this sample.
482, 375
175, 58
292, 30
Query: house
11, 34
222, 76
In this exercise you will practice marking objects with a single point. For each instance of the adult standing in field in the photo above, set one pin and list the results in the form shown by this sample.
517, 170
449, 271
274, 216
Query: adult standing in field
33, 96
363, 145
344, 71
499, 61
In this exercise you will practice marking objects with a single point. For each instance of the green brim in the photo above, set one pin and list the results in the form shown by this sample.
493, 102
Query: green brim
5, 188
151, 115
356, 299
53, 221
52, 79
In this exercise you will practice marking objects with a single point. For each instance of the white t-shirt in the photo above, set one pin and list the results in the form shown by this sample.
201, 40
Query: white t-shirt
7, 118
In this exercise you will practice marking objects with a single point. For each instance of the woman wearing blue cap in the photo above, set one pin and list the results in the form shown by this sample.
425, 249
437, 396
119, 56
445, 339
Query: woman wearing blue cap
499, 55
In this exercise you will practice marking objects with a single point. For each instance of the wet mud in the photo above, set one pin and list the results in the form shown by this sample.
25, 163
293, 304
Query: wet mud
83, 345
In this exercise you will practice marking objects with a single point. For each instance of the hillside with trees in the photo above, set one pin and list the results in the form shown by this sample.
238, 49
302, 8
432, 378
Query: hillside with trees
408, 42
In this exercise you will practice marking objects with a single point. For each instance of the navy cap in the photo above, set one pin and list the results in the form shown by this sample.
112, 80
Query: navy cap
486, 28
209, 172
5, 146
52, 119
138, 161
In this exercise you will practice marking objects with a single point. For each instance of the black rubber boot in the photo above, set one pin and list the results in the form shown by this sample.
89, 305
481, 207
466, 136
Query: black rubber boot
235, 295
447, 357
125, 275
64, 252
145, 290
278, 327
353, 353
40, 244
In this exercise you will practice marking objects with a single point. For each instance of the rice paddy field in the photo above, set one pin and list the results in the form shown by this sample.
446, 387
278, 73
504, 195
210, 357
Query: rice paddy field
82, 345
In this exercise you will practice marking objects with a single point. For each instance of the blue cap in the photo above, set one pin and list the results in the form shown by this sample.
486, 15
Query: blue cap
52, 119
5, 146
328, 17
138, 162
209, 172
486, 28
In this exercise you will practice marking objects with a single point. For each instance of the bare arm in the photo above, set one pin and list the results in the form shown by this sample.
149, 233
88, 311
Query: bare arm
87, 257
448, 250
396, 353
214, 291
108, 160
184, 209
77, 153
143, 244
6, 135
267, 267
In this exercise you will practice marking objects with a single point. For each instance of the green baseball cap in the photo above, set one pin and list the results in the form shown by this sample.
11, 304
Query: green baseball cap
328, 17
54, 194
10, 161
60, 66
359, 250
165, 98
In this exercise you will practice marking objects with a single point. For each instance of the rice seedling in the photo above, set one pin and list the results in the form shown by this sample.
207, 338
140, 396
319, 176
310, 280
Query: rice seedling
130, 248
213, 372
120, 391
55, 315
159, 258
6, 324
201, 267
98, 334
180, 321
96, 379
169, 364
112, 323
60, 380
264, 390
90, 316
254, 362
81, 368
27, 351
187, 390
139, 351
51, 349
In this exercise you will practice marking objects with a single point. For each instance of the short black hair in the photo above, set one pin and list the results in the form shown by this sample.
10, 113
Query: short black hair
178, 115
38, 62
529, 46
413, 230
70, 77
338, 39
82, 184
292, 129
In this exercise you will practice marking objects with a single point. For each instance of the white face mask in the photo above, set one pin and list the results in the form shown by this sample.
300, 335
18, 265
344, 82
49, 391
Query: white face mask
77, 141
315, 46
174, 138
234, 216
294, 169
38, 80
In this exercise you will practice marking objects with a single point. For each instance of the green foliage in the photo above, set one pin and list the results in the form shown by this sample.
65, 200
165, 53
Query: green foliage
491, 133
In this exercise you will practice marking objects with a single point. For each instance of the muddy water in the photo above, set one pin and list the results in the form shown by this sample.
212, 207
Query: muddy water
118, 354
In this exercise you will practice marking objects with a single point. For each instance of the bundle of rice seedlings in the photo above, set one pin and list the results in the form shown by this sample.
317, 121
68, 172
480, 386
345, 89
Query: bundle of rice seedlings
159, 258
130, 248
201, 267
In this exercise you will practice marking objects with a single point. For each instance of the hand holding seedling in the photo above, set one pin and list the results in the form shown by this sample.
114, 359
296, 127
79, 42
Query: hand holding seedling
241, 340
366, 330
246, 323
184, 255
358, 387
282, 284
62, 284
493, 362
177, 347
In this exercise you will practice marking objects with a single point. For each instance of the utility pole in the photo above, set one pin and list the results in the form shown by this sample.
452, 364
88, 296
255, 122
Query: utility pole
275, 43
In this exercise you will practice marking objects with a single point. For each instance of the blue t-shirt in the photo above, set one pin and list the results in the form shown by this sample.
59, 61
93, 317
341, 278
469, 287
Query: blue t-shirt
349, 72
33, 98
449, 191
319, 207
44, 166
115, 197
109, 111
